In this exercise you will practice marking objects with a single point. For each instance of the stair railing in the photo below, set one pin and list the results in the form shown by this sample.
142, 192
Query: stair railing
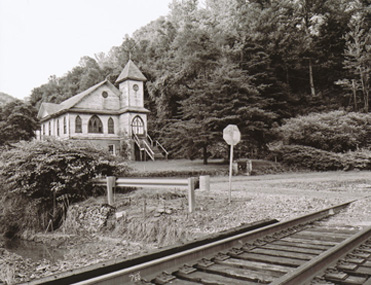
137, 141
162, 148
156, 143
150, 140
148, 150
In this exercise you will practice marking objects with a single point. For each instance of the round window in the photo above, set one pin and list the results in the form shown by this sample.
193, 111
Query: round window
135, 87
104, 94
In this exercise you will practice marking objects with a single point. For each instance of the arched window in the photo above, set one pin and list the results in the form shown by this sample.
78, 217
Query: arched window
95, 125
78, 125
111, 126
64, 125
137, 126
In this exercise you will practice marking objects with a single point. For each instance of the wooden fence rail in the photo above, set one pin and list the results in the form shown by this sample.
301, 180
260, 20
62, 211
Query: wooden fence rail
178, 183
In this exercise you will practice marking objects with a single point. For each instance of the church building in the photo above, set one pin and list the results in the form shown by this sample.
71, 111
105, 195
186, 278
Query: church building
111, 118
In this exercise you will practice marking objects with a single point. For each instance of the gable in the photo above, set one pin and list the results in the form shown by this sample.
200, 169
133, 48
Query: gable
102, 98
47, 109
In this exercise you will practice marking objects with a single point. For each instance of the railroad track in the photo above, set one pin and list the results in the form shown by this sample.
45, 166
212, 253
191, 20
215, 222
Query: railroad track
305, 250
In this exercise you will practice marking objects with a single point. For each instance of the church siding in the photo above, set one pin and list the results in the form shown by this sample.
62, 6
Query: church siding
96, 100
130, 96
124, 97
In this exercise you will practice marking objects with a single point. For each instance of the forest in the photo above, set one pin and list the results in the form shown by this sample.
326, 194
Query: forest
253, 63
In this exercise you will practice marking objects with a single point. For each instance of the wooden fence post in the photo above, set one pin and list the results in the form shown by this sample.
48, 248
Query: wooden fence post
111, 182
249, 167
191, 194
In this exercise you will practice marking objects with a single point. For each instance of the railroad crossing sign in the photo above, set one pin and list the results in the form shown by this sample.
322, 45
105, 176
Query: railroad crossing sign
231, 134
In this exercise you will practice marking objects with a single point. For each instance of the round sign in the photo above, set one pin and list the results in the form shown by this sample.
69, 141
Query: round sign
232, 135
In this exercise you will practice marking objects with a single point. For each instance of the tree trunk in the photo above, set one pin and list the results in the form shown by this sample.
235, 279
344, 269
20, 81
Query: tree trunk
311, 81
205, 154
54, 206
354, 95
365, 92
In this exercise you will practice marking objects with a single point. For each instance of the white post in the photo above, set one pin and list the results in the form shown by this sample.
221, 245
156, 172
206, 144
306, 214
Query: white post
230, 174
205, 183
111, 181
249, 167
191, 194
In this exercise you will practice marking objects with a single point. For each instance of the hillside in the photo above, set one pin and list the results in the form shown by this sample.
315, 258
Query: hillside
249, 63
5, 98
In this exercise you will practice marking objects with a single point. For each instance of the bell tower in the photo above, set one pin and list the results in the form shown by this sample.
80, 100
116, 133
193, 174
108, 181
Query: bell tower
131, 81
133, 115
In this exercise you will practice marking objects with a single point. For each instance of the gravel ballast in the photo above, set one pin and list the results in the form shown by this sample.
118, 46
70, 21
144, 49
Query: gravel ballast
254, 198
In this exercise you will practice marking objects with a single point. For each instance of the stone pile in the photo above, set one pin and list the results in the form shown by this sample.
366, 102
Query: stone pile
92, 218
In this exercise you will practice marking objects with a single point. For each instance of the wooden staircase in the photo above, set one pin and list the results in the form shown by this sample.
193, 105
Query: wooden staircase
150, 148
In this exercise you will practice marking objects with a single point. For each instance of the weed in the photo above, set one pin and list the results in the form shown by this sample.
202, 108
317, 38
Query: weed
7, 273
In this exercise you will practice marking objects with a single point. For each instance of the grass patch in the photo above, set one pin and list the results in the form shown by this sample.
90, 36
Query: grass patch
161, 231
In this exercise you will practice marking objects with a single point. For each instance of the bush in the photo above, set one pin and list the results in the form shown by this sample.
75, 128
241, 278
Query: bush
47, 176
360, 159
309, 157
336, 131
316, 159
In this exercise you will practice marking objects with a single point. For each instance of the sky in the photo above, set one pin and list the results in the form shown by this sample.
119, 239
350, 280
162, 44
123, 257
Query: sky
40, 38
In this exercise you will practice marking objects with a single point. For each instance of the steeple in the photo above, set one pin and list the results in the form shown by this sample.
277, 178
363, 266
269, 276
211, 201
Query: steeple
130, 71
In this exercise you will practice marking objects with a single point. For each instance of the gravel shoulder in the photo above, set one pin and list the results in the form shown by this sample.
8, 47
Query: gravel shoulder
254, 198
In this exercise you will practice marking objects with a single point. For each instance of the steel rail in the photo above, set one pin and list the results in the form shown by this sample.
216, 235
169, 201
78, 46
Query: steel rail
318, 265
149, 270
102, 268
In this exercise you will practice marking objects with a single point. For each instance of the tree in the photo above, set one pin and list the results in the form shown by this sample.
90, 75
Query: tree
75, 81
17, 122
46, 176
358, 60
224, 95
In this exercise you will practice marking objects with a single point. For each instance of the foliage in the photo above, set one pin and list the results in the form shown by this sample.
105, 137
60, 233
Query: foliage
5, 98
320, 160
336, 131
273, 59
360, 159
357, 61
75, 81
309, 157
17, 122
49, 175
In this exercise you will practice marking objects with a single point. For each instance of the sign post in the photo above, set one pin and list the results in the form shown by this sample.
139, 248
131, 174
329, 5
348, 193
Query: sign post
232, 136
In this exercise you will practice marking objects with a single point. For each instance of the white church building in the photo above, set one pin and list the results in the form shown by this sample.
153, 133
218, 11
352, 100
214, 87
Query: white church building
111, 118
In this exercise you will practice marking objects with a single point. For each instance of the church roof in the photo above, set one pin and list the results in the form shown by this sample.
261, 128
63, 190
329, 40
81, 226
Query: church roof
69, 103
51, 108
131, 71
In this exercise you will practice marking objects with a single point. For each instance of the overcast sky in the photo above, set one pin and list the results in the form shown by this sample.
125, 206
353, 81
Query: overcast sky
40, 38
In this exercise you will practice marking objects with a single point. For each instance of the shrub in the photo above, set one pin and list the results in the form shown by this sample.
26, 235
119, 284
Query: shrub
309, 157
316, 159
48, 176
360, 159
336, 131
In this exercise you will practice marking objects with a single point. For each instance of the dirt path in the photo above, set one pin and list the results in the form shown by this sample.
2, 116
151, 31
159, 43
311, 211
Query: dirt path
329, 185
